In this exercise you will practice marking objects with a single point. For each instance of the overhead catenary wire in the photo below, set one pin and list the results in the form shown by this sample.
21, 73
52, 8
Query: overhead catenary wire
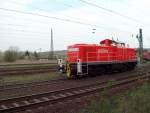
28, 35
65, 5
60, 19
20, 25
84, 23
111, 11
88, 24
97, 14
44, 10
26, 19
79, 22
40, 9
35, 35
22, 30
89, 3
46, 16
18, 33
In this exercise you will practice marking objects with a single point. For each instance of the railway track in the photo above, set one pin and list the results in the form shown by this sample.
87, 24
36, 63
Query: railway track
27, 70
26, 85
47, 82
26, 64
24, 103
15, 90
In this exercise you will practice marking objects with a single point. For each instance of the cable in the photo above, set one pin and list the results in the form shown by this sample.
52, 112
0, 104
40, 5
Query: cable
17, 32
28, 35
25, 31
71, 6
111, 11
60, 19
20, 25
65, 19
41, 9
14, 2
22, 35
51, 17
27, 19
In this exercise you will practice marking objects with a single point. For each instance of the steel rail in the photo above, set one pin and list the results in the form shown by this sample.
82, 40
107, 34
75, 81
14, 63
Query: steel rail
61, 95
25, 85
38, 83
27, 70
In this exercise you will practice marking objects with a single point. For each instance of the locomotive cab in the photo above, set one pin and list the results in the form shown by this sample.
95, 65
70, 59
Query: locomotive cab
73, 62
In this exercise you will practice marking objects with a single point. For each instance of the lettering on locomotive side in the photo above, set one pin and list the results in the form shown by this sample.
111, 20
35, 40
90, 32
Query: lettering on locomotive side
73, 49
102, 51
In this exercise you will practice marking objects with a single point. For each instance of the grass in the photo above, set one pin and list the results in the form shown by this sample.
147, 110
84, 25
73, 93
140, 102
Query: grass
13, 66
29, 78
144, 63
135, 101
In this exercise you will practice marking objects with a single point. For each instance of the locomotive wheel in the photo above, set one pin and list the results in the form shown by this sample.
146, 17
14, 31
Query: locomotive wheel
68, 71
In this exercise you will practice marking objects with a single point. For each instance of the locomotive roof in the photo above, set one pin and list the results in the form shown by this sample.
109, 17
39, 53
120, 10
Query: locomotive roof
106, 42
84, 45
110, 41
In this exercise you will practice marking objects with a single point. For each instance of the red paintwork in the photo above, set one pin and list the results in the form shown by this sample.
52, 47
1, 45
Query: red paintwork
107, 51
147, 55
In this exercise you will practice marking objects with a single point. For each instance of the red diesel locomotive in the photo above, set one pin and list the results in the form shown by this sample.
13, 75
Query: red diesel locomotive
147, 56
83, 59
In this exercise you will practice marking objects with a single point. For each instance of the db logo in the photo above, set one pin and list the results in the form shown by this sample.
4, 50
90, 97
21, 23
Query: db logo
103, 51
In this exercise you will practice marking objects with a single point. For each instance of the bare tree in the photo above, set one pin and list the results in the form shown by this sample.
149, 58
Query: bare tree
11, 54
1, 56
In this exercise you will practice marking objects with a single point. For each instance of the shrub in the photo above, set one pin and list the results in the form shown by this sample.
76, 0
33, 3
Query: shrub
1, 56
135, 101
36, 56
11, 54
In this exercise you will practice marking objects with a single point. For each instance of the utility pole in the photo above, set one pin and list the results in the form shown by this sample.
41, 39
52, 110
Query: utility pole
140, 51
51, 56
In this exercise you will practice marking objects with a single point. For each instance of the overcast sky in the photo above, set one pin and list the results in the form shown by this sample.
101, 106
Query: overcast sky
32, 31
